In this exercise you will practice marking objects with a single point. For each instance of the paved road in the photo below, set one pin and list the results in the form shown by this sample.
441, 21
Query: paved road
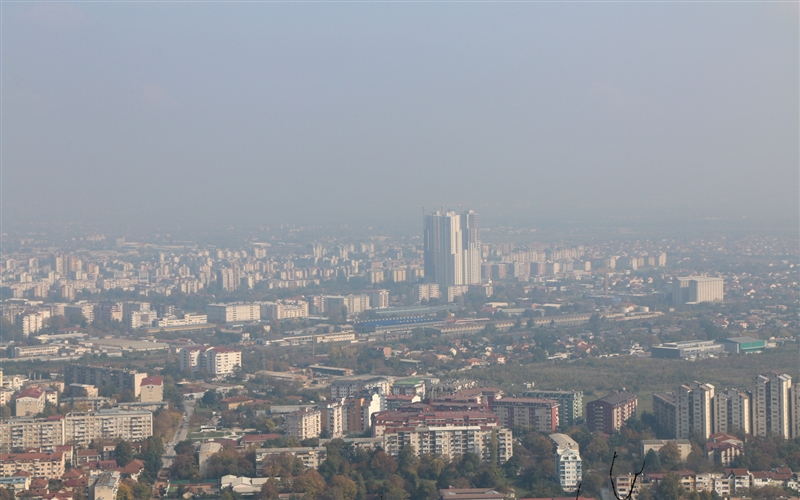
183, 431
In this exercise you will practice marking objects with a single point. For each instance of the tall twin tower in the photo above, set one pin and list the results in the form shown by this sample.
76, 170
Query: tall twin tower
452, 249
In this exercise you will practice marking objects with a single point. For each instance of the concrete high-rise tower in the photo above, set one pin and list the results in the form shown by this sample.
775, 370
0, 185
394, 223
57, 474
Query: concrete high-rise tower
452, 249
771, 405
472, 248
444, 249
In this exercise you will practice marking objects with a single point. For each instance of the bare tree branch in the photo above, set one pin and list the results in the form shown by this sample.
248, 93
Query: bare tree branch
633, 483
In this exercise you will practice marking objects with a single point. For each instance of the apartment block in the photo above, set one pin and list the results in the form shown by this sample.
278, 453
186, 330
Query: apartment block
732, 411
47, 465
304, 424
346, 387
693, 410
332, 418
229, 313
219, 361
152, 390
99, 376
284, 310
569, 466
541, 414
402, 419
26, 433
82, 427
665, 410
570, 404
378, 299
29, 402
772, 405
105, 486
449, 442
609, 414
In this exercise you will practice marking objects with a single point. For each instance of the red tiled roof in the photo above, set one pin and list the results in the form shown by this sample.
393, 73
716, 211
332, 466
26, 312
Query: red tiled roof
152, 381
31, 392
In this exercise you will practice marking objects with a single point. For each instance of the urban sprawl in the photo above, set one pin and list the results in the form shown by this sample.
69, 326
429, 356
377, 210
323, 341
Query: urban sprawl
457, 363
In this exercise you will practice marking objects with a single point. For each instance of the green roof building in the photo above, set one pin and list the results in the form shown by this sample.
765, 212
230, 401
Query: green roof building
744, 345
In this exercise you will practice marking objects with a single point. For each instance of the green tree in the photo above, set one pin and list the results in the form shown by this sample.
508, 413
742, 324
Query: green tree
669, 488
652, 461
407, 461
123, 453
670, 456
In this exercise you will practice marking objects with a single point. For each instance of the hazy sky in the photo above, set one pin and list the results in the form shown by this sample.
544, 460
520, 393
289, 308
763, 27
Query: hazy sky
240, 113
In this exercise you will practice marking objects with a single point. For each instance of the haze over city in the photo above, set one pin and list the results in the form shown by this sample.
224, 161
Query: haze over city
399, 250
219, 114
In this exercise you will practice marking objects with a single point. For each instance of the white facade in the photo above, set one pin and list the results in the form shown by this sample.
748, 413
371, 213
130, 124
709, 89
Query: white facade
449, 442
569, 466
304, 424
229, 313
771, 405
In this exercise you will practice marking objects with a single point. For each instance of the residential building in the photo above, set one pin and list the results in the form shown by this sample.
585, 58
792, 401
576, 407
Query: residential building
665, 411
99, 376
732, 411
304, 424
222, 361
332, 418
569, 466
795, 412
219, 361
357, 411
570, 404
82, 427
311, 457
287, 309
351, 304
772, 405
27, 433
684, 446
105, 486
444, 249
229, 313
29, 402
609, 414
452, 249
401, 419
697, 289
449, 442
346, 387
152, 390
426, 291
693, 410
541, 414
46, 465
378, 299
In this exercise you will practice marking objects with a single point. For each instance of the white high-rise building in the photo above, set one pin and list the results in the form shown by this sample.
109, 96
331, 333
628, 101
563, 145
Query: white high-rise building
472, 248
771, 405
693, 407
732, 411
452, 249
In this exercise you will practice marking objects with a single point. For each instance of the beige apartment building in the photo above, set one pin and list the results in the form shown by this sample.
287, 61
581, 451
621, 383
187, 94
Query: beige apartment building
47, 465
152, 390
304, 424
29, 402
449, 442
42, 433
772, 405
81, 428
